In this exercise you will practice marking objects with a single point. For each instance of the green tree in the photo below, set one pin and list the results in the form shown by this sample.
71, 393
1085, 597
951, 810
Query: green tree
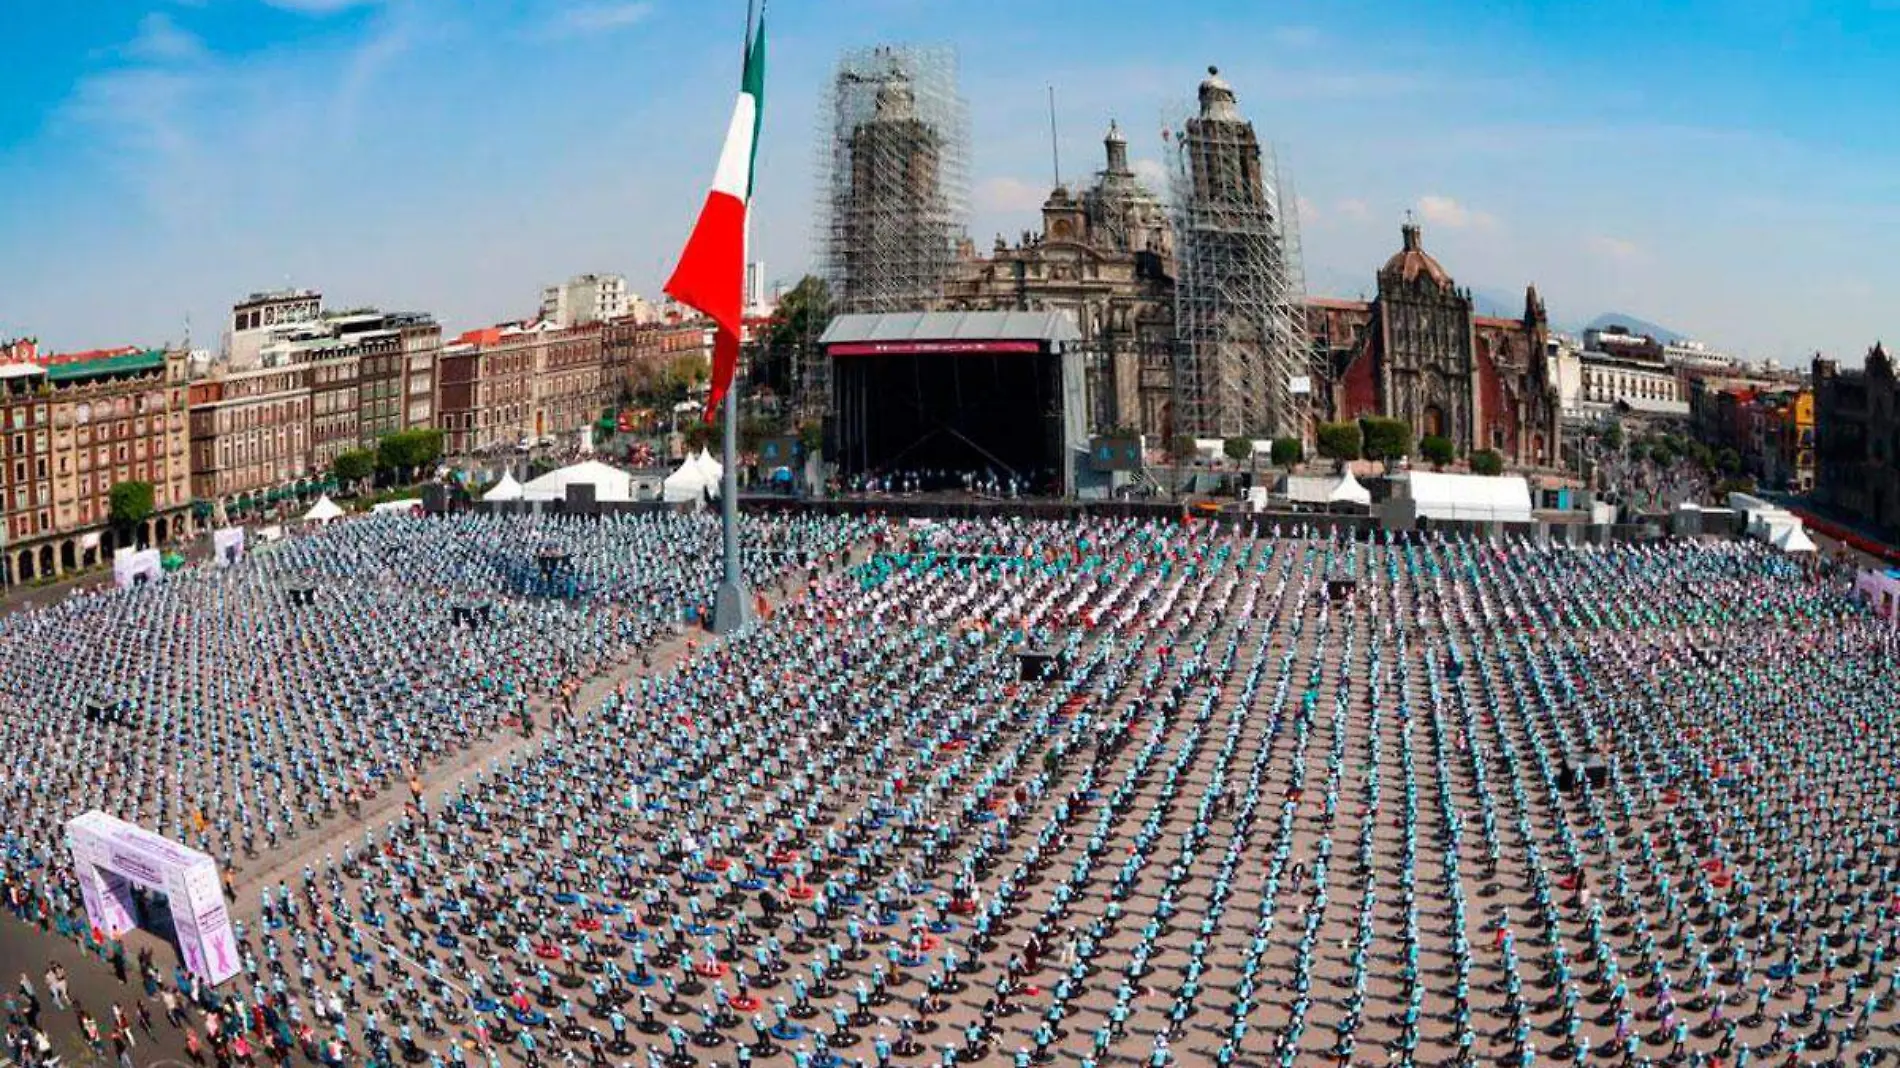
1341, 441
1728, 461
352, 467
1437, 451
407, 451
1237, 449
700, 434
1183, 447
811, 435
1287, 452
1613, 437
129, 504
753, 430
1487, 462
1663, 455
798, 321
1386, 439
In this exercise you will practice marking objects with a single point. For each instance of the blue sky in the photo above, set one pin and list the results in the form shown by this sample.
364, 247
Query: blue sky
1728, 169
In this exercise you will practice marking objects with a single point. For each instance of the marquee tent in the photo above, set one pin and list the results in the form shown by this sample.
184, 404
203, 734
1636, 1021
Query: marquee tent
691, 482
1478, 498
1325, 489
610, 483
506, 490
1348, 491
323, 511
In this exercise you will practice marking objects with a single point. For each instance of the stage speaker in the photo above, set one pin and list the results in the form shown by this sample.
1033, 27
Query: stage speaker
552, 559
301, 596
1340, 589
1597, 773
1035, 666
1567, 777
469, 614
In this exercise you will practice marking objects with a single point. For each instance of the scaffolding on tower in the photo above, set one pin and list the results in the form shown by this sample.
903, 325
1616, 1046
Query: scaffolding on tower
893, 190
1242, 368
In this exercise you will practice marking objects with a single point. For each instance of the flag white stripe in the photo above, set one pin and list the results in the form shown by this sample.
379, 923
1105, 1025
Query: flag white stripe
735, 159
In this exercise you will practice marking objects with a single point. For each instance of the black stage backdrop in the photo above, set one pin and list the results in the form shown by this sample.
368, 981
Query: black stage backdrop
948, 411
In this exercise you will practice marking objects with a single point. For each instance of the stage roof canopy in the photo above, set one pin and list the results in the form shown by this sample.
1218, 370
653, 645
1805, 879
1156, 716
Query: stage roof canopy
1048, 327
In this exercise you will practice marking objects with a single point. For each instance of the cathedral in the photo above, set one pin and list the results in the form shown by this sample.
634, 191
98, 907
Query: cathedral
1106, 255
1418, 352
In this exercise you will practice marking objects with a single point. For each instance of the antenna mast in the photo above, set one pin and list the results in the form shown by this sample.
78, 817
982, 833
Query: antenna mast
1055, 149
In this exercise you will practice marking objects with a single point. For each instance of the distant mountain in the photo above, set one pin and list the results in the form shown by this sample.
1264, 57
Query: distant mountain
1499, 304
1634, 326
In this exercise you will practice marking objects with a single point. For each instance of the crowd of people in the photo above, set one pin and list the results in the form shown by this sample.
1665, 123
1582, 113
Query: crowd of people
1275, 799
986, 482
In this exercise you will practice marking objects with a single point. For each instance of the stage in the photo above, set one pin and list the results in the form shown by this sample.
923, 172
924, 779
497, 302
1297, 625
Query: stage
996, 392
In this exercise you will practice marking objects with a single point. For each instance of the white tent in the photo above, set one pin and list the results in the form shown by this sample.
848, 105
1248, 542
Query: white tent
712, 470
689, 483
610, 483
1307, 489
505, 490
406, 506
323, 511
1325, 489
1482, 498
1792, 539
1348, 491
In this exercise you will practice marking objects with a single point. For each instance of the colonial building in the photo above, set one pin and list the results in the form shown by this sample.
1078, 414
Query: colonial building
317, 387
1106, 256
631, 349
1857, 441
502, 384
1418, 352
74, 426
250, 431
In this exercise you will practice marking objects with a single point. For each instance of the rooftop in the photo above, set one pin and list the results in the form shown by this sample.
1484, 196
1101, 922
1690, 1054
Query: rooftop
108, 362
1048, 326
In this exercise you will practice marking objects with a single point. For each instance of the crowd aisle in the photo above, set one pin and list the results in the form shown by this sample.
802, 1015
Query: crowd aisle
1279, 801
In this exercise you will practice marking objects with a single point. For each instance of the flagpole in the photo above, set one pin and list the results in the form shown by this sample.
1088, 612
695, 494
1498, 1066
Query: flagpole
732, 607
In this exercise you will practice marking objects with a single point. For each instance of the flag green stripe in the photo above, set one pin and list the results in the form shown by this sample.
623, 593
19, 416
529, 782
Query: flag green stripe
753, 85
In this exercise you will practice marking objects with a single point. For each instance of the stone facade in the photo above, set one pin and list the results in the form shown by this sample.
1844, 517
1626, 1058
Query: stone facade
72, 427
1857, 441
1106, 257
1418, 352
502, 384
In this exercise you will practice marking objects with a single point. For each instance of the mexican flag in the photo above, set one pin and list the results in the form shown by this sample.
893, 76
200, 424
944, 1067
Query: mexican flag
711, 271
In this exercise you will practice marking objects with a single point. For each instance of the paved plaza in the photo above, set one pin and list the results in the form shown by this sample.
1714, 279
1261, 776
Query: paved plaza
1279, 800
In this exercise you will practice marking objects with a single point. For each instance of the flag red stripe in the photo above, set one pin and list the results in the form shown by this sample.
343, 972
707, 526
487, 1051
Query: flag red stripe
725, 364
711, 271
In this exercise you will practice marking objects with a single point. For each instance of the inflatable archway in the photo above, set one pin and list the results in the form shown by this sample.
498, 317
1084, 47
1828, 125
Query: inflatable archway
111, 856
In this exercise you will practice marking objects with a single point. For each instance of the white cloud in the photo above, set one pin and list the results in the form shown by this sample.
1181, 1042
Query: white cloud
1010, 194
1353, 209
318, 7
1613, 248
1448, 213
598, 18
1152, 174
1284, 37
160, 40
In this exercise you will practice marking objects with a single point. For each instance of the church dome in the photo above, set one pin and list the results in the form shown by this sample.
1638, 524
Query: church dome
1217, 97
1411, 262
